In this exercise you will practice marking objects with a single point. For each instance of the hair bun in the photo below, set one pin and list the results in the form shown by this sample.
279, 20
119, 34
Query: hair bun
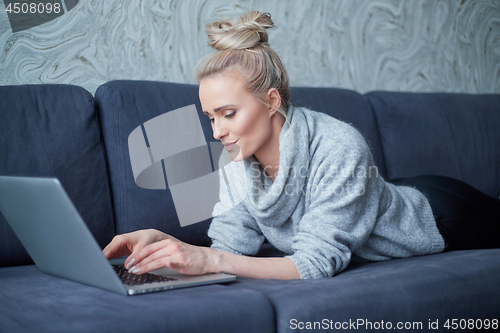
247, 32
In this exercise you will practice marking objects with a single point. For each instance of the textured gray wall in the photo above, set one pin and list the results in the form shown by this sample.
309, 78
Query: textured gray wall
413, 45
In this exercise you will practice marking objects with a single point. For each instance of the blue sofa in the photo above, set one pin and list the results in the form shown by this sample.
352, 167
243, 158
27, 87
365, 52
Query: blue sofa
63, 131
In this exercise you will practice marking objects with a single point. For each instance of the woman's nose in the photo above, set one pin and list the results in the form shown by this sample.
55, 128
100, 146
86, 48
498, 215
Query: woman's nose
219, 131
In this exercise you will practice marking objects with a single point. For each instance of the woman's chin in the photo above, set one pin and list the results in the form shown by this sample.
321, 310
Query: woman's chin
236, 155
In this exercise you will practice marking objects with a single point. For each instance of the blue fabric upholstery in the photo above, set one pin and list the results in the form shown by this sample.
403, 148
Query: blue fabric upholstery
455, 135
53, 131
460, 284
32, 301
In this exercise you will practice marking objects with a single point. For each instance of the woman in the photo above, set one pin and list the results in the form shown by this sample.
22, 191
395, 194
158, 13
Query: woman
309, 182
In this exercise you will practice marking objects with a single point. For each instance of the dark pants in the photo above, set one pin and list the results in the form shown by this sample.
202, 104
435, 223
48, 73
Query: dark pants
466, 217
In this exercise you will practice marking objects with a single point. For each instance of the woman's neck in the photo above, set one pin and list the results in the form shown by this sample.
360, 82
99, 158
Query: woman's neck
269, 154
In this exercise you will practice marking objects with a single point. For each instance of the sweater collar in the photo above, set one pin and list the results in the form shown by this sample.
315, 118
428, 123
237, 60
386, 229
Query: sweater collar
272, 203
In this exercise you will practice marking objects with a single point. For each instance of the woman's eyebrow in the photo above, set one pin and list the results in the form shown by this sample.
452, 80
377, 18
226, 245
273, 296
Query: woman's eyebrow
219, 108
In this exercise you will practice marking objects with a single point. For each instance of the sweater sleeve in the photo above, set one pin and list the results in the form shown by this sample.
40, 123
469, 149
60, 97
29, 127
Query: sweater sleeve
233, 229
343, 208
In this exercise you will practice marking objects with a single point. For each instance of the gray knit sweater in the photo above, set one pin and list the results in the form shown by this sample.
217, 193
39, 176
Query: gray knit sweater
327, 202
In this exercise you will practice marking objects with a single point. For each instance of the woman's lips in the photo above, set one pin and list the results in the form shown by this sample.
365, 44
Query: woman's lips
230, 146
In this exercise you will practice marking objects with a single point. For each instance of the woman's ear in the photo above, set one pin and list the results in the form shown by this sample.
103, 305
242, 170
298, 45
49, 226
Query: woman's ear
274, 100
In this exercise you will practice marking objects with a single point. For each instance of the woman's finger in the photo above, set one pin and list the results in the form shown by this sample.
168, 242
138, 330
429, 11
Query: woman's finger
166, 254
145, 266
116, 248
162, 252
160, 262
130, 261
137, 257
184, 258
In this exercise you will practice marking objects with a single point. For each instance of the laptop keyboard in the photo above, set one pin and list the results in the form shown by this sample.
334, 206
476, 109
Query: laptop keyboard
133, 279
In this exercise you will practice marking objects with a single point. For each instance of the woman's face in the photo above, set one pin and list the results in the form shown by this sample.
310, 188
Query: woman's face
238, 119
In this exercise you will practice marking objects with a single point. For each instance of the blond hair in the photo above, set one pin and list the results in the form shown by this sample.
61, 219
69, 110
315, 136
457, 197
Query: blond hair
242, 45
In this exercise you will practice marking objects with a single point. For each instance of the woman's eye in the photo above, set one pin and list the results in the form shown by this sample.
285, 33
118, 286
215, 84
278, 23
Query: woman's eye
226, 116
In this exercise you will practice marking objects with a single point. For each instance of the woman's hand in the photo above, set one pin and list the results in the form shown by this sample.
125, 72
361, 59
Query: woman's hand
133, 242
171, 253
152, 249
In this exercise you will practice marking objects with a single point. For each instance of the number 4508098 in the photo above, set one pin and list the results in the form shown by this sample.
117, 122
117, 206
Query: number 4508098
477, 324
33, 8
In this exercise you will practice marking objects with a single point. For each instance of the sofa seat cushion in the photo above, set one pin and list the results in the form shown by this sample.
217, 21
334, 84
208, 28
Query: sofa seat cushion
32, 301
460, 285
453, 135
53, 131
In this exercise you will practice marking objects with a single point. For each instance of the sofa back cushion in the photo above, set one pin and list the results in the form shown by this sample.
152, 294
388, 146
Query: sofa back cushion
123, 107
348, 106
53, 131
455, 135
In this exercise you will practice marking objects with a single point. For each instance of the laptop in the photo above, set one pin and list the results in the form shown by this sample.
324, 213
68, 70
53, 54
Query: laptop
60, 243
